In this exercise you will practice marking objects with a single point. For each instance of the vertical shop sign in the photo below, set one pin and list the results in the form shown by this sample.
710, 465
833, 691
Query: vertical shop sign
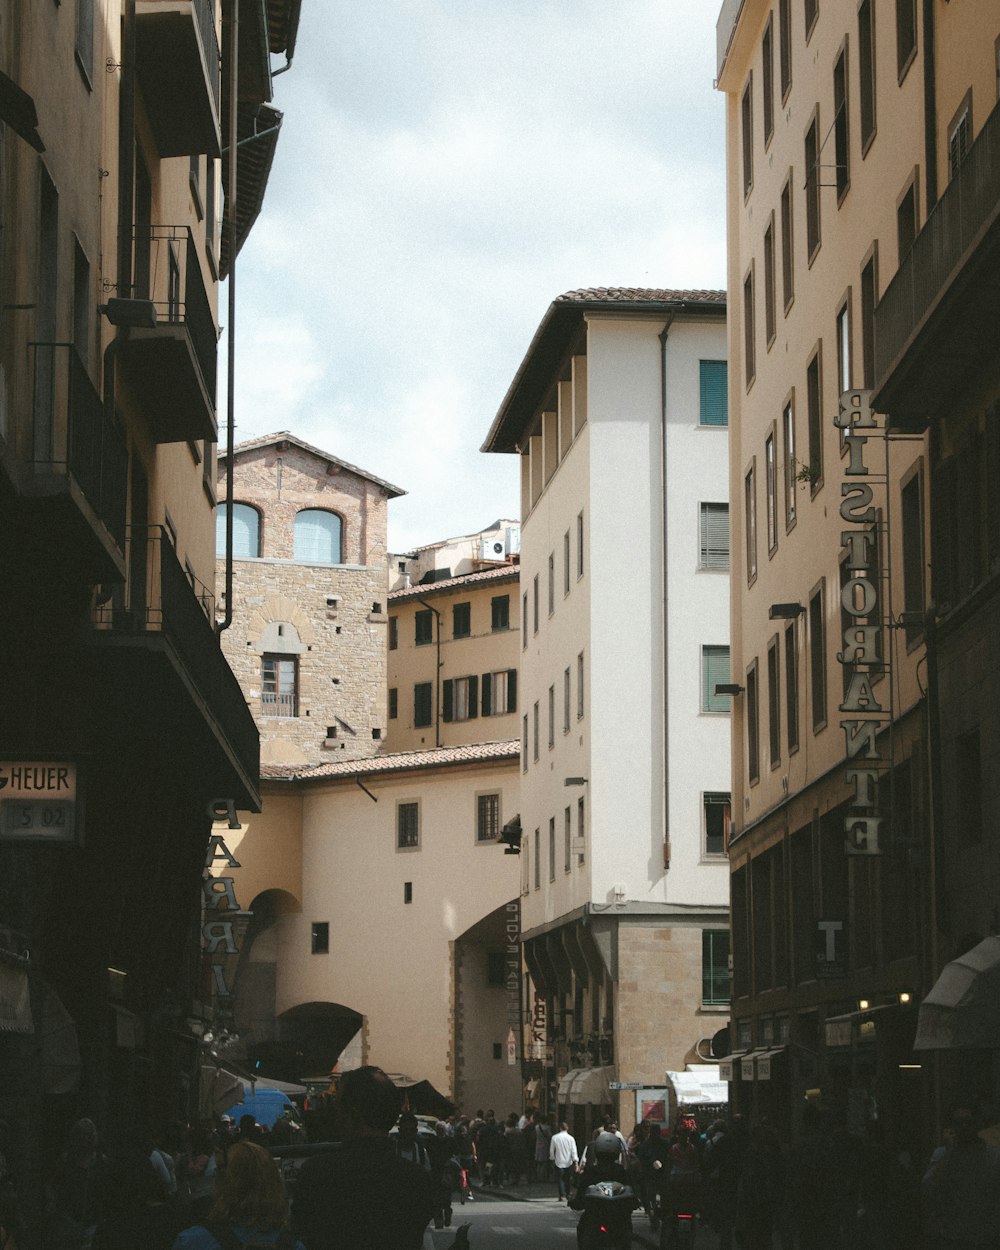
512, 970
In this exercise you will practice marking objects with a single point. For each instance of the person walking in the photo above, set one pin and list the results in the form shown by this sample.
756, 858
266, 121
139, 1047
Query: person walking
962, 1187
543, 1140
565, 1158
249, 1207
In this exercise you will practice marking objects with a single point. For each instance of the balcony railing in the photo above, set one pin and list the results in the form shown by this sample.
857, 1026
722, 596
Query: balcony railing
73, 437
161, 599
969, 206
180, 74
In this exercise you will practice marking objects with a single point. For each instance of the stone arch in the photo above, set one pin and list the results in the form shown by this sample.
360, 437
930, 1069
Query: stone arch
278, 609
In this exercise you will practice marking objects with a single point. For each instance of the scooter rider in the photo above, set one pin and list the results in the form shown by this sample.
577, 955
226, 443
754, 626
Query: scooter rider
604, 1163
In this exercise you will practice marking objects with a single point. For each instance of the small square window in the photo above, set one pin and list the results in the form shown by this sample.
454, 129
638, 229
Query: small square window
718, 814
321, 938
423, 628
500, 614
407, 891
461, 618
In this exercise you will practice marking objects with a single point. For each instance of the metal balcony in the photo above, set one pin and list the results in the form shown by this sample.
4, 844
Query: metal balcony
167, 670
177, 65
69, 512
935, 326
172, 365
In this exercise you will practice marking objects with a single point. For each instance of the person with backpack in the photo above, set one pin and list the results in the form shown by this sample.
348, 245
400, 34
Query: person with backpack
249, 1210
408, 1144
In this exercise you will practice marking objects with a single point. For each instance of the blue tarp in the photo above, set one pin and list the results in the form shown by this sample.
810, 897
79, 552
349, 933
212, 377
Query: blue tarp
266, 1107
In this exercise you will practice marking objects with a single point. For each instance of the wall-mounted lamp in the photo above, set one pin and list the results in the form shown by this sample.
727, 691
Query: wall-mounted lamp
575, 781
784, 611
139, 314
728, 687
905, 997
864, 1004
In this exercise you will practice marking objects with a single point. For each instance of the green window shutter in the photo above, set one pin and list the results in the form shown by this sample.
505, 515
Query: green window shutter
447, 700
714, 536
714, 393
487, 695
512, 690
714, 668
473, 697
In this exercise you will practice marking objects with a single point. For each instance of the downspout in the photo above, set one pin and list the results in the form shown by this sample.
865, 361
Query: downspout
930, 108
664, 334
233, 63
437, 674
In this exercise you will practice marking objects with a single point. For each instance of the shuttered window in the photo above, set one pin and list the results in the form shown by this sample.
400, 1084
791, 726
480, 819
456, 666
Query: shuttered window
246, 532
460, 698
499, 692
318, 537
714, 668
714, 536
714, 393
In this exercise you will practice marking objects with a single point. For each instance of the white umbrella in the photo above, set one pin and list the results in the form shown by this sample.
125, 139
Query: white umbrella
962, 1011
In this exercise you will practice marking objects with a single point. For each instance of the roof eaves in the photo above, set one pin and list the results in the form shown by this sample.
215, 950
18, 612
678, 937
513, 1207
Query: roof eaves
283, 436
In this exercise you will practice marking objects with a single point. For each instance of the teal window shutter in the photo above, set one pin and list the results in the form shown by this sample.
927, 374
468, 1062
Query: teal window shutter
714, 668
714, 393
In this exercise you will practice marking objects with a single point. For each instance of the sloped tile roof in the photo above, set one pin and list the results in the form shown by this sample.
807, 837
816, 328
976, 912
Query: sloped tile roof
283, 436
639, 295
504, 573
400, 762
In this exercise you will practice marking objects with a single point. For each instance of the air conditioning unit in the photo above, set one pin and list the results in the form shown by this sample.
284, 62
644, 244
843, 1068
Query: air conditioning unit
512, 540
492, 549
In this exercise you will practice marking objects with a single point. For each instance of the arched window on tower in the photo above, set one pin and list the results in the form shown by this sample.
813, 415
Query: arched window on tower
318, 537
246, 531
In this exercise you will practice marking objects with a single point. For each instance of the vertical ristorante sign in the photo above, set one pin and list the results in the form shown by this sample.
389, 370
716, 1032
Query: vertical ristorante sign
221, 938
512, 970
861, 600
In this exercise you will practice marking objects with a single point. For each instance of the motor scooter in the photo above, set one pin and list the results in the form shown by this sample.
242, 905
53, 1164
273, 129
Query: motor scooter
606, 1219
676, 1206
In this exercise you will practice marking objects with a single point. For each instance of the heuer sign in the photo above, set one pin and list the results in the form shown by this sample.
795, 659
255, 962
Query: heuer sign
39, 801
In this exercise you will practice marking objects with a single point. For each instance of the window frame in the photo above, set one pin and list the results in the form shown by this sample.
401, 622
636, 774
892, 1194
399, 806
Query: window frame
752, 701
488, 817
791, 648
713, 394
906, 37
715, 967
341, 528
770, 295
813, 183
712, 654
867, 75
787, 245
712, 558
461, 619
423, 617
908, 204
746, 135
774, 702
712, 799
785, 47
750, 520
814, 418
767, 78
818, 682
842, 121
278, 660
788, 435
500, 613
319, 937
405, 810
868, 299
771, 490
429, 688
749, 327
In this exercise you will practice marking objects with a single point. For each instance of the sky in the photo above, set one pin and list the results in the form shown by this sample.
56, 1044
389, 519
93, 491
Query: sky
445, 169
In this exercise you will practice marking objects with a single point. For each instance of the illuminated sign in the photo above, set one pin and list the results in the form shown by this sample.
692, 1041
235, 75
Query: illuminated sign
38, 801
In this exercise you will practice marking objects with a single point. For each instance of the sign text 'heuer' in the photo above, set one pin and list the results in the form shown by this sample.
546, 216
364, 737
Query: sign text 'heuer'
860, 600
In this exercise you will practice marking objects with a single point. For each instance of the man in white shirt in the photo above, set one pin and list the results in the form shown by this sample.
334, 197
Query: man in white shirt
563, 1153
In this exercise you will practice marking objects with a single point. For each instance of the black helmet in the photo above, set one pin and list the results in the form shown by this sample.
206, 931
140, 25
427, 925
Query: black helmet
607, 1146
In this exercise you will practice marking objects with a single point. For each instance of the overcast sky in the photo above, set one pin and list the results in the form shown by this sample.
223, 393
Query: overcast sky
445, 169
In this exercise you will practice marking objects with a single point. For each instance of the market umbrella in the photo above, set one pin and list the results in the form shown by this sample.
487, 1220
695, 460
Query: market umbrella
962, 1011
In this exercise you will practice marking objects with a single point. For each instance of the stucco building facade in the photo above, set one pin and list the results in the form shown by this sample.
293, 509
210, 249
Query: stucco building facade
618, 415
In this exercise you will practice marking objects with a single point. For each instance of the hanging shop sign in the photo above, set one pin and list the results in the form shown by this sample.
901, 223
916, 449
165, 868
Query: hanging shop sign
860, 600
831, 949
39, 801
512, 971
538, 1027
224, 920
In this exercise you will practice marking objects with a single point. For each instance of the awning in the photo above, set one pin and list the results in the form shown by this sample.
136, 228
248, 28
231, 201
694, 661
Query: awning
17, 110
729, 1065
283, 1087
218, 1090
962, 1011
566, 1084
590, 1087
699, 1085
764, 1061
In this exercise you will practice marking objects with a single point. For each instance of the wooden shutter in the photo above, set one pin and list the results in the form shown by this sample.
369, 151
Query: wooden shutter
473, 697
512, 690
487, 694
714, 396
447, 700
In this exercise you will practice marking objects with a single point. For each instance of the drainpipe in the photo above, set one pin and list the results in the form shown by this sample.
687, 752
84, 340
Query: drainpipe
437, 674
664, 334
233, 63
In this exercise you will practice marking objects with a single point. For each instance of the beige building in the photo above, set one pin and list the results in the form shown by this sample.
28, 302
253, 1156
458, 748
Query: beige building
845, 126
498, 544
618, 413
121, 724
307, 638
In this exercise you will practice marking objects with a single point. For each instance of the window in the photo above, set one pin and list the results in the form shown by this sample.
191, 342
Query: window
567, 840
581, 828
321, 938
500, 613
566, 563
906, 220
579, 686
279, 685
869, 297
579, 545
460, 699
913, 555
393, 703
524, 621
552, 848
771, 491
791, 468
461, 620
714, 967
211, 225
814, 412
534, 585
817, 657
812, 188
752, 697
773, 704
407, 891
787, 265
499, 692
746, 113
81, 303
534, 727
422, 698
318, 536
407, 826
959, 136
812, 12
713, 392
767, 76
246, 532
750, 521
85, 39
844, 370
393, 633
552, 717
906, 35
423, 627
538, 859
714, 670
841, 124
785, 45
792, 686
714, 536
487, 817
866, 69
770, 308
566, 701
749, 333
524, 743
552, 582
717, 810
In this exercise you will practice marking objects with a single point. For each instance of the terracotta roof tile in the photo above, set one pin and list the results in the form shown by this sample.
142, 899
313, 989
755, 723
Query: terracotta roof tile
400, 762
637, 295
508, 572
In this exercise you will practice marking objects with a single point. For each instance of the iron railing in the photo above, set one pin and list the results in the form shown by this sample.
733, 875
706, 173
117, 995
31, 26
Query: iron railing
72, 433
968, 204
168, 272
161, 597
